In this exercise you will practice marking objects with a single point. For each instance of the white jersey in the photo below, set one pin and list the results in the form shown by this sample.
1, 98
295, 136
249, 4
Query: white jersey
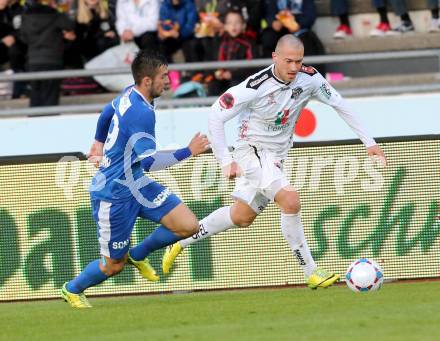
269, 109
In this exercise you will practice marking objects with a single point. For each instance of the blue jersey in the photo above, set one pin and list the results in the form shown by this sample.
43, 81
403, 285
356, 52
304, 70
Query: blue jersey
130, 139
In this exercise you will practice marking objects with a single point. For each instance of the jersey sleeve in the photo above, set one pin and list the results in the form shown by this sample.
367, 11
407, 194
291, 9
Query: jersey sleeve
226, 107
103, 124
326, 94
164, 159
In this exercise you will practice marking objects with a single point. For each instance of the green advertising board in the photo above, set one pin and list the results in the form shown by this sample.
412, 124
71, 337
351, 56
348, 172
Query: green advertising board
351, 208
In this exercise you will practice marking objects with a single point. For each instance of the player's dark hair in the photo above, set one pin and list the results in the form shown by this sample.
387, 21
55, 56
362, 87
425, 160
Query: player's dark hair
147, 64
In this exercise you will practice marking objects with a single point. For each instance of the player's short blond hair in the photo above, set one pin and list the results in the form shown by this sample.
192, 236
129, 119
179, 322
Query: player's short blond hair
289, 40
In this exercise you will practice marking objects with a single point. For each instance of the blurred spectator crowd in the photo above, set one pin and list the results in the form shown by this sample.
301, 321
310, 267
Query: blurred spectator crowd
41, 35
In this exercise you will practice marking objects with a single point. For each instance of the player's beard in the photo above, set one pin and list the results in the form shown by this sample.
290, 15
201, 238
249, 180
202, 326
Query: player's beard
156, 93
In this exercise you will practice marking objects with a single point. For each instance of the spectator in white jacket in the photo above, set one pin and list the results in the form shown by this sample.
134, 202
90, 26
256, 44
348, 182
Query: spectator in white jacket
137, 20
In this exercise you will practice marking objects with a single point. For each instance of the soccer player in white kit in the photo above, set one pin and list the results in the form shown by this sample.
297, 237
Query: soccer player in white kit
268, 104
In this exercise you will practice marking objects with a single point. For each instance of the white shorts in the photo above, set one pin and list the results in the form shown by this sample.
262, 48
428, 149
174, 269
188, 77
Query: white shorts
262, 177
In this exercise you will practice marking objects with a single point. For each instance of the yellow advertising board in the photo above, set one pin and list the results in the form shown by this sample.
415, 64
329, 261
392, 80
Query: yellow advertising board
351, 208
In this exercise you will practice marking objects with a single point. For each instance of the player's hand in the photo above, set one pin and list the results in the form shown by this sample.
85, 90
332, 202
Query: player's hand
232, 170
198, 144
96, 152
376, 152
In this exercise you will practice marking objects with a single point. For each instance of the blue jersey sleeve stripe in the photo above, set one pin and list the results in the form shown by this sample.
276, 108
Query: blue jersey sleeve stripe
182, 154
164, 159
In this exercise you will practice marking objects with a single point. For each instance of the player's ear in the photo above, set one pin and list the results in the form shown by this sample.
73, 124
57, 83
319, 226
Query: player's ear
147, 81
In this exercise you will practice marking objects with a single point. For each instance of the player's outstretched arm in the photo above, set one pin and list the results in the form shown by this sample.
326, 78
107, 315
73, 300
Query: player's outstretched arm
325, 93
164, 159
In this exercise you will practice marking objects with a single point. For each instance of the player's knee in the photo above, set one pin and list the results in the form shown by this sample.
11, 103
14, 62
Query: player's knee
242, 216
291, 205
243, 221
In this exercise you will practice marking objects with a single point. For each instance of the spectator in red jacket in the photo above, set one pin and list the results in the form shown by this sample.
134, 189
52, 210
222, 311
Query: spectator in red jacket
234, 45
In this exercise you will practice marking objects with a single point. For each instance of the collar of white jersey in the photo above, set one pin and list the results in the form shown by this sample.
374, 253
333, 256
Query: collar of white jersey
150, 105
272, 71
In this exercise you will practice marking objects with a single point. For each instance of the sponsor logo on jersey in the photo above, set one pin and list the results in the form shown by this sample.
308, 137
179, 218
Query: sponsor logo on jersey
325, 89
227, 101
255, 82
296, 92
273, 127
281, 121
282, 117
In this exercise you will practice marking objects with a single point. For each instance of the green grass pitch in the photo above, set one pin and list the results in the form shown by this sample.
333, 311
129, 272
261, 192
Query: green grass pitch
399, 311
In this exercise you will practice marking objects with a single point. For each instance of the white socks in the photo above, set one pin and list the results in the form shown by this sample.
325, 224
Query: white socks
291, 226
293, 232
218, 221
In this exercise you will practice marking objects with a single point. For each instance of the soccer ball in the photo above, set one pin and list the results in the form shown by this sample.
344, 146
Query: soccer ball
364, 275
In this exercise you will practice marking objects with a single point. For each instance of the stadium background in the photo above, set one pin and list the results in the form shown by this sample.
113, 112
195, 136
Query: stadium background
45, 218
47, 234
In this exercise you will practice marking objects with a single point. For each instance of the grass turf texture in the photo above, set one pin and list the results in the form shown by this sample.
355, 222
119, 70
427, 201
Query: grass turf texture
399, 311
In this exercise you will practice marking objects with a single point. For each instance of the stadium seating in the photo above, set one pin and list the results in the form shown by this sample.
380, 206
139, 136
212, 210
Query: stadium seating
362, 73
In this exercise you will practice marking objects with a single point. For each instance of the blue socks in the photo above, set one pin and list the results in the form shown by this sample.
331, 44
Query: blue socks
160, 238
90, 276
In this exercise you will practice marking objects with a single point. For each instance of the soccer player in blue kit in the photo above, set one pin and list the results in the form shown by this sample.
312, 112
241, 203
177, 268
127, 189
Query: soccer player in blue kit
120, 192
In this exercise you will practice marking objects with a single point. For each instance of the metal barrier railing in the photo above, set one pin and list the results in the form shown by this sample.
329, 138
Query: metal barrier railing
340, 58
90, 108
204, 101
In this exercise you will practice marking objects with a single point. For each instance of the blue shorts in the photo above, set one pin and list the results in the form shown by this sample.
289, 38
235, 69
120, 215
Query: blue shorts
115, 220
